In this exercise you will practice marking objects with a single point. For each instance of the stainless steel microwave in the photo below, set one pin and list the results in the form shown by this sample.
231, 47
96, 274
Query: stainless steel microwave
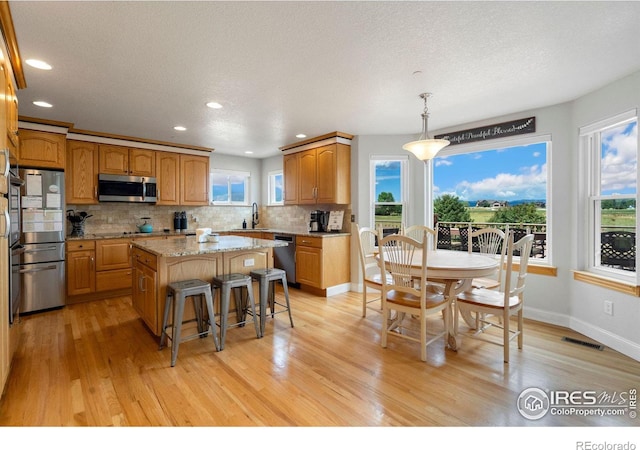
124, 188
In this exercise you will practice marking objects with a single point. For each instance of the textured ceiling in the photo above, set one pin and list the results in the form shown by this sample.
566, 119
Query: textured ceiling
138, 68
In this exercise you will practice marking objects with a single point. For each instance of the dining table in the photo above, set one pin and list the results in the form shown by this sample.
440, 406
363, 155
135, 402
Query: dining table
455, 270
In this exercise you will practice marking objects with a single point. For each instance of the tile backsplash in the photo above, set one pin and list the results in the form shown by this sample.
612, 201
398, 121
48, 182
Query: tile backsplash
125, 217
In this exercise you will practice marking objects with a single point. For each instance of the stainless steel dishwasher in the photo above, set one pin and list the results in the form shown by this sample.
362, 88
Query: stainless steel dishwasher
285, 257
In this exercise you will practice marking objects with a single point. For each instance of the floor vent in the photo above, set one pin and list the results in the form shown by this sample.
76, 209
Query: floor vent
585, 343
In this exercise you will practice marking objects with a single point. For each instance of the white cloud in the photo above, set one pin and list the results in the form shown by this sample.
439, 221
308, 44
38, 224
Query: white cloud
536, 154
530, 183
620, 161
443, 162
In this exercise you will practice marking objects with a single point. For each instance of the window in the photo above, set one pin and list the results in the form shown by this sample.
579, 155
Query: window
388, 191
276, 193
610, 154
483, 185
229, 187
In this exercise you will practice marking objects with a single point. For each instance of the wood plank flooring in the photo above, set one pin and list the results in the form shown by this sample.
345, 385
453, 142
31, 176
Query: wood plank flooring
95, 364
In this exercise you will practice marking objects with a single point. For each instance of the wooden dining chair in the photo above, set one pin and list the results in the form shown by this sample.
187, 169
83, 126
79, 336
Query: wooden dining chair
489, 241
489, 305
404, 296
369, 267
417, 232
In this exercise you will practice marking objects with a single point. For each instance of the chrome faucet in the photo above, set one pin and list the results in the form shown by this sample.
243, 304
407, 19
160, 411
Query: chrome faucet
254, 215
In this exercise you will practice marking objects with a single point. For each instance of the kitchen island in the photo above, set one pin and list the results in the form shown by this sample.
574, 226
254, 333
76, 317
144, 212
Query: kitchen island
156, 263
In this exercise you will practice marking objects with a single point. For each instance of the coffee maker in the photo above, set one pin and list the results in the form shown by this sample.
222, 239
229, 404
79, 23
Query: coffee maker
319, 220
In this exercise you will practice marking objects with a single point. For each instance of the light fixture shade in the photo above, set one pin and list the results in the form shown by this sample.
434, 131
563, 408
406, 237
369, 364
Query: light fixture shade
426, 148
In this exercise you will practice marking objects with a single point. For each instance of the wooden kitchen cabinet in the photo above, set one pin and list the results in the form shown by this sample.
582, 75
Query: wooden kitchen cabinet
82, 173
12, 114
81, 273
290, 171
113, 264
322, 262
168, 178
145, 288
41, 149
194, 180
119, 160
319, 175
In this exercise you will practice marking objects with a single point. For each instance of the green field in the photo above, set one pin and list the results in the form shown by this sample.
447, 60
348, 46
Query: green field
610, 217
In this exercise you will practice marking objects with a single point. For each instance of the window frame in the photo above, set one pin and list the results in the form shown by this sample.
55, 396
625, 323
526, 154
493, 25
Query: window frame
590, 151
271, 185
229, 173
519, 141
404, 185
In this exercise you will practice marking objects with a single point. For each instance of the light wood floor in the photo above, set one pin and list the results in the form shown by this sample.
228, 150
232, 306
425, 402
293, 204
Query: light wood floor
95, 364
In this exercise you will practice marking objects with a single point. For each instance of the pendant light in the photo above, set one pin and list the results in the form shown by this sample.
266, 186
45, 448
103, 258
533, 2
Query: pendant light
425, 148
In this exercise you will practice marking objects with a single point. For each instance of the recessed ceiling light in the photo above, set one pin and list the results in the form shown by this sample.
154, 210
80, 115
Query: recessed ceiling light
179, 128
249, 152
38, 64
42, 104
214, 105
300, 136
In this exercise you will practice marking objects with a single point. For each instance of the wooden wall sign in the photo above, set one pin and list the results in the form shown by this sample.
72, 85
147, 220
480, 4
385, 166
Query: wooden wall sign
500, 130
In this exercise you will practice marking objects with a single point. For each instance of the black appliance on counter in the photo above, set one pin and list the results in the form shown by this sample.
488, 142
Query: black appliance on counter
319, 220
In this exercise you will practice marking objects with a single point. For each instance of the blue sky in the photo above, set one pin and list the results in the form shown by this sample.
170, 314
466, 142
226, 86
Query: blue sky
509, 174
514, 173
619, 160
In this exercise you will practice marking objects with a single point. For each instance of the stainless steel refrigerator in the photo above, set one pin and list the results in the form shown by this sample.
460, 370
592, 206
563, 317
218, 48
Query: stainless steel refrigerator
43, 233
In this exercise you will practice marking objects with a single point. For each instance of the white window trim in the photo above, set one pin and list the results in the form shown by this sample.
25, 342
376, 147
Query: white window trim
272, 189
247, 184
590, 151
404, 185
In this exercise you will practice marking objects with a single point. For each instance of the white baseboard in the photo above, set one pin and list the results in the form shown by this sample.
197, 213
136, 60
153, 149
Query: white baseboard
338, 289
620, 344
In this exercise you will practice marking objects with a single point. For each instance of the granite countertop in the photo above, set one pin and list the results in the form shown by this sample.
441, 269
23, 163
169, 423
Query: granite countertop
137, 235
189, 246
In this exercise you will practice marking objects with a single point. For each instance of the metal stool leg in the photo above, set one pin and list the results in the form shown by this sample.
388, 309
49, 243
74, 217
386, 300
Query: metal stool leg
251, 301
178, 312
285, 287
263, 286
212, 319
225, 293
165, 322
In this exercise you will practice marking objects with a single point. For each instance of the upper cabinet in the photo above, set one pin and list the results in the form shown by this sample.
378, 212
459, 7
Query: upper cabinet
120, 160
82, 172
12, 114
42, 149
194, 180
168, 178
318, 171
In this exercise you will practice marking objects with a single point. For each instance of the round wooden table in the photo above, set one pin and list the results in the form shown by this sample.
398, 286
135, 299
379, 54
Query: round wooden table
456, 270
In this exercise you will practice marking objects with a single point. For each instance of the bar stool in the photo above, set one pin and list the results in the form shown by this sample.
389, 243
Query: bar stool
236, 281
177, 294
267, 279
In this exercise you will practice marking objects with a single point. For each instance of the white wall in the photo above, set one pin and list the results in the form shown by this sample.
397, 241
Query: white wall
558, 300
620, 331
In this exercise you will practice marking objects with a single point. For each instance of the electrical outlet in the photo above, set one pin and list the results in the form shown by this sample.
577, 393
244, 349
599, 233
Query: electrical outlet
608, 307
249, 262
353, 218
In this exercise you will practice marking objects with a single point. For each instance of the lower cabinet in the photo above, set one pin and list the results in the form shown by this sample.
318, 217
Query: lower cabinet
81, 272
322, 262
97, 267
144, 289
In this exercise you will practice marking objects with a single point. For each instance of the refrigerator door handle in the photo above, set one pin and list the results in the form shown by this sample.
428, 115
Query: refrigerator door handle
46, 249
39, 269
7, 224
